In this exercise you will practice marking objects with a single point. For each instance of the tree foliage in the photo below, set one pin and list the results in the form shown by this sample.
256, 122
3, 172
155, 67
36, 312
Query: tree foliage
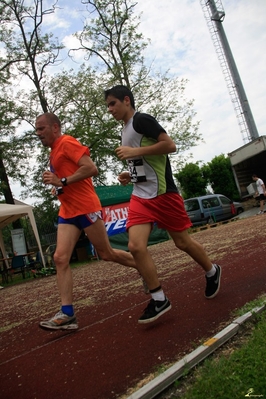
114, 47
192, 181
46, 216
114, 50
221, 177
14, 148
111, 38
112, 41
217, 174
27, 53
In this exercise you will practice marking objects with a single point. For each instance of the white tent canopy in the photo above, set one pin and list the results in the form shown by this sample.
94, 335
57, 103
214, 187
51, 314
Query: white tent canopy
9, 213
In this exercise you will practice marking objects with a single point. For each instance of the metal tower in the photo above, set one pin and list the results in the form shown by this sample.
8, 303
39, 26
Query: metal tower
214, 15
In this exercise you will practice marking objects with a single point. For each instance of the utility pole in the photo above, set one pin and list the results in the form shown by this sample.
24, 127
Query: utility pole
214, 15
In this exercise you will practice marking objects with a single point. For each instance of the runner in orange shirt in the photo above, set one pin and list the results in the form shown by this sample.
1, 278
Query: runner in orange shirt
71, 170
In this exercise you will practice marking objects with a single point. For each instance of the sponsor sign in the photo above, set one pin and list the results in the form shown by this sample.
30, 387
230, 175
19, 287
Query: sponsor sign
115, 217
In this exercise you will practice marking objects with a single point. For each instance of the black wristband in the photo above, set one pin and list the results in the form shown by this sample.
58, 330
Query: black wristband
64, 181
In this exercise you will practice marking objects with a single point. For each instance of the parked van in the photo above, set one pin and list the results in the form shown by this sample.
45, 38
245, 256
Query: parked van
211, 208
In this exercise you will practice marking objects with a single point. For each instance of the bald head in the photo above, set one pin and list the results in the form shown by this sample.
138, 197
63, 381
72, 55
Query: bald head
48, 128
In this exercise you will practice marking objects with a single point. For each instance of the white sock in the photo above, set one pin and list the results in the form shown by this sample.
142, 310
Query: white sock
158, 296
211, 272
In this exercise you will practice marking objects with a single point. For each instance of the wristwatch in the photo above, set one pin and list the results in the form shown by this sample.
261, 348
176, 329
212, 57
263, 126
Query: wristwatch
64, 181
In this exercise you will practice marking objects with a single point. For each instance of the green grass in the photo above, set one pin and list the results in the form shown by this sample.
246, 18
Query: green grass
238, 370
251, 305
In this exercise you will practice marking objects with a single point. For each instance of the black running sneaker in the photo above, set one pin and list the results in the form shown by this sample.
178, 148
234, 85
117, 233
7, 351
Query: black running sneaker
154, 310
213, 283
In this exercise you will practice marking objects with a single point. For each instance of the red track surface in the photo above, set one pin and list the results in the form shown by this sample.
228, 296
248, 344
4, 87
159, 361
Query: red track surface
111, 352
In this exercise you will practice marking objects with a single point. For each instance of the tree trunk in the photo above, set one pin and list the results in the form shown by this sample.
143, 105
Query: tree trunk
7, 191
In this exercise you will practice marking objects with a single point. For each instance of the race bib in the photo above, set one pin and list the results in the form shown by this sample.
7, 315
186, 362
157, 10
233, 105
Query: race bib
136, 171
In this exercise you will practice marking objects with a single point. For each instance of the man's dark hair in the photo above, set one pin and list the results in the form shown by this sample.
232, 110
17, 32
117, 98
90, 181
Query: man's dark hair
51, 118
120, 92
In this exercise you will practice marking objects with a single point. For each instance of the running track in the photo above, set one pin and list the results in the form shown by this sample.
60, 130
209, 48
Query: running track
111, 354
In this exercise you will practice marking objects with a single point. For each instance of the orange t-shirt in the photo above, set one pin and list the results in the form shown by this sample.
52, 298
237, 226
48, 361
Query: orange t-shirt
78, 198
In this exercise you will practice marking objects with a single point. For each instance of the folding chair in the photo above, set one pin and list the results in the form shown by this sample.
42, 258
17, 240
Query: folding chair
18, 265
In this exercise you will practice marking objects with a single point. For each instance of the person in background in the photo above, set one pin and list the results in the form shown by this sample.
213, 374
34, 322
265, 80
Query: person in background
261, 192
71, 172
155, 198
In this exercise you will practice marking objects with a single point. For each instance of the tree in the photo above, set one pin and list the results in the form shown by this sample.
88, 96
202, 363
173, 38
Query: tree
77, 96
112, 39
192, 181
113, 44
13, 147
115, 56
27, 51
46, 215
26, 54
221, 177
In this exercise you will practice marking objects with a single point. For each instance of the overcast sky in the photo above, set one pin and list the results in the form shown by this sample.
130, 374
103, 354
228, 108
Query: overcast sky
181, 42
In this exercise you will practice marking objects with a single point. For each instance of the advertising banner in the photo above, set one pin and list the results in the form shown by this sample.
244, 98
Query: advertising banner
115, 217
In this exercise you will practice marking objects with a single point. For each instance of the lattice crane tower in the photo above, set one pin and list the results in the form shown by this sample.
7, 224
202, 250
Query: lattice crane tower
214, 15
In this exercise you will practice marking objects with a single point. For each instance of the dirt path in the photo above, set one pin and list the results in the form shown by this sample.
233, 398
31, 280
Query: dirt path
111, 353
